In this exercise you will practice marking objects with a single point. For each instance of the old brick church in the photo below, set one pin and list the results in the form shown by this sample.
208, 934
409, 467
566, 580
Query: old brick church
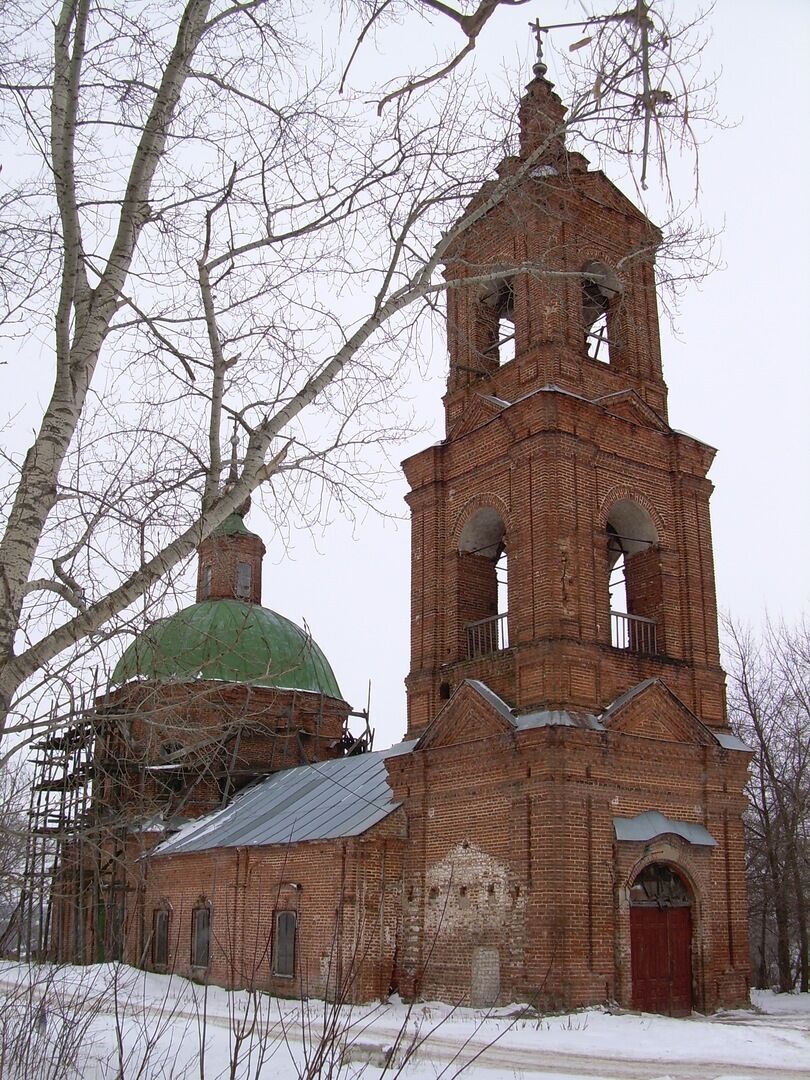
562, 822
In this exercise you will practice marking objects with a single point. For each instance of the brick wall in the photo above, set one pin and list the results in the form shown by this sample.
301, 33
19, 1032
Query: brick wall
345, 895
218, 567
513, 865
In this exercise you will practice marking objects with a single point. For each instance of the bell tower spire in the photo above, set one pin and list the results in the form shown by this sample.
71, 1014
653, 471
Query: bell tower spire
541, 113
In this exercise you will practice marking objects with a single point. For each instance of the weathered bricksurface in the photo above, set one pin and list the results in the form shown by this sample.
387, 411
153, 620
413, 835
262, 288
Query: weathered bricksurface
500, 876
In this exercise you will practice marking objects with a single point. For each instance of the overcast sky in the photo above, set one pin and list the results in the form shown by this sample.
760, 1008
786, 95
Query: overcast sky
737, 372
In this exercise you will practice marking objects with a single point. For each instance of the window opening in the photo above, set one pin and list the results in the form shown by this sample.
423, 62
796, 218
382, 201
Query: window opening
200, 936
482, 584
205, 583
284, 945
502, 579
634, 579
243, 580
498, 311
617, 580
658, 885
600, 288
170, 773
506, 323
160, 937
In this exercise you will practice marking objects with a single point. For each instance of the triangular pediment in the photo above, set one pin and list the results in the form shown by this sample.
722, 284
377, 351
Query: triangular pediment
478, 412
606, 192
651, 710
629, 406
473, 712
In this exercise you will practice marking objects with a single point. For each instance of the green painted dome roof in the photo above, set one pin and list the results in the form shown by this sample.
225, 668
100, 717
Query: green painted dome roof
230, 641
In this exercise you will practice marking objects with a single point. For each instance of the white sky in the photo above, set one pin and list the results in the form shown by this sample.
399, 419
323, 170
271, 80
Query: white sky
738, 373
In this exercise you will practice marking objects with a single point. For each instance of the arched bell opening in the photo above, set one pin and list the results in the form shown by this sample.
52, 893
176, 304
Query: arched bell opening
483, 584
495, 325
635, 585
661, 932
601, 296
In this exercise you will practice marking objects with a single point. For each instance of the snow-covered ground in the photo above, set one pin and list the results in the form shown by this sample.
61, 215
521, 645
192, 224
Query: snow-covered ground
111, 1021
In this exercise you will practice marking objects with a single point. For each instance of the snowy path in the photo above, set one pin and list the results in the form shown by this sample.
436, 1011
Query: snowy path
773, 1044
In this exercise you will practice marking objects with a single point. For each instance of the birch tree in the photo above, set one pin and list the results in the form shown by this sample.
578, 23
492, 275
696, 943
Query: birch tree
212, 231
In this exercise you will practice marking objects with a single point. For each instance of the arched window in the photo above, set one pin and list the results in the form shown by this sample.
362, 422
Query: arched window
205, 582
201, 935
659, 885
601, 290
482, 584
634, 579
496, 324
160, 936
284, 944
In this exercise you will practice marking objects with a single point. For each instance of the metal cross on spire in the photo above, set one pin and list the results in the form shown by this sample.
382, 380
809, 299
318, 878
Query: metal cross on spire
539, 67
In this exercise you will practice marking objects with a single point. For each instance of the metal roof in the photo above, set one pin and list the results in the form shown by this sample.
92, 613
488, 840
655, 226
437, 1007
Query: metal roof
228, 641
539, 718
729, 741
653, 823
331, 799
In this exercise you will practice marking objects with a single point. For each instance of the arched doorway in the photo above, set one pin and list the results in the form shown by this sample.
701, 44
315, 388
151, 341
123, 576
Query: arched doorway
661, 941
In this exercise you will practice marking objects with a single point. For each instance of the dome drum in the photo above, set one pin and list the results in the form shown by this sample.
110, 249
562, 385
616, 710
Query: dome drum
188, 745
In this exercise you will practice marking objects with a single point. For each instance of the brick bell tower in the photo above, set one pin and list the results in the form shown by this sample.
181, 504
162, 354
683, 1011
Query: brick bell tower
558, 463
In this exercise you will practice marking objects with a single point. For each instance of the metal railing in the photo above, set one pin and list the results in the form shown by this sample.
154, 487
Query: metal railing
636, 633
487, 635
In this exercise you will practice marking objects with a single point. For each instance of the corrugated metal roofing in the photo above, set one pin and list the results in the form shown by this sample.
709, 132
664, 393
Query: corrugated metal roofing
331, 799
654, 823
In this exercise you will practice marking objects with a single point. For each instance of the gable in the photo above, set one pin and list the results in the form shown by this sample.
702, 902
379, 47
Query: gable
472, 713
477, 413
651, 711
629, 406
607, 194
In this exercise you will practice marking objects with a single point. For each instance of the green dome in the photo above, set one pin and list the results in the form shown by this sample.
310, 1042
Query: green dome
232, 642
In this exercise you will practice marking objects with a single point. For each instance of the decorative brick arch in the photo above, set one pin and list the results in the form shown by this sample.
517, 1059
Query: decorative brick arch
486, 500
671, 853
623, 493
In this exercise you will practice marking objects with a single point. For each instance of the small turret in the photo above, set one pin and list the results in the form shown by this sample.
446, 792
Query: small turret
230, 559
230, 563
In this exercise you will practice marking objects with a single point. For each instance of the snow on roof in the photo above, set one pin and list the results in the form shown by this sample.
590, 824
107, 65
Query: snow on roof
330, 799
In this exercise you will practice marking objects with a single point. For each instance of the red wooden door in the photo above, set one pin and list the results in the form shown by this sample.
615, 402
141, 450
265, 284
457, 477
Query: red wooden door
661, 959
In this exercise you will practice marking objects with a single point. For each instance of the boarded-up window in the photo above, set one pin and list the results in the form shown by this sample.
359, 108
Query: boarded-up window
243, 577
205, 583
160, 937
200, 936
284, 946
